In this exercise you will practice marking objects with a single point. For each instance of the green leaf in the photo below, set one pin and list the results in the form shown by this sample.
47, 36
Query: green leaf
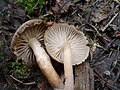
41, 2
29, 8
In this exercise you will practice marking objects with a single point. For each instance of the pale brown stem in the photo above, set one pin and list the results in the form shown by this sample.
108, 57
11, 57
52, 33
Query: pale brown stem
43, 61
69, 81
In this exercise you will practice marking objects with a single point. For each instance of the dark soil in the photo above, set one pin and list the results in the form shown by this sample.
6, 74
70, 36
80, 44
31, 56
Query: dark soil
98, 19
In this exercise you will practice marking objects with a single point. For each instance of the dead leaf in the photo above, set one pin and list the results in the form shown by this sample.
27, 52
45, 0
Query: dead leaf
56, 9
97, 16
61, 6
118, 34
41, 86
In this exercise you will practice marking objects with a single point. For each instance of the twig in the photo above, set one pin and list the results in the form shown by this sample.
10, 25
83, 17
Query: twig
30, 83
117, 1
36, 4
117, 77
110, 22
111, 86
16, 2
95, 29
115, 62
61, 6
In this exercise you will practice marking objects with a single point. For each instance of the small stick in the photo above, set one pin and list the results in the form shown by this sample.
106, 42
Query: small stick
110, 22
95, 29
30, 83
61, 6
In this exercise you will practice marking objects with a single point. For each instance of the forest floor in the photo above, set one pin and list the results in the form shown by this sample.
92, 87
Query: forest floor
98, 19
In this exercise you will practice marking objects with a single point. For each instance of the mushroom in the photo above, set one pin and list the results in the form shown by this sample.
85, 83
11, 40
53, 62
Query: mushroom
27, 44
66, 45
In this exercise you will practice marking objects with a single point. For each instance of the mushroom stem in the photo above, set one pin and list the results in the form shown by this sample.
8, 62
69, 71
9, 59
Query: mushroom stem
43, 61
68, 68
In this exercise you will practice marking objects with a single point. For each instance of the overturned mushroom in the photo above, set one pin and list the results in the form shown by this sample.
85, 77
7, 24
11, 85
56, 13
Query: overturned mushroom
27, 44
66, 45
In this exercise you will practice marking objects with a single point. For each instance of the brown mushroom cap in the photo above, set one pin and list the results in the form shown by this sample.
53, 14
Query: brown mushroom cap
56, 37
30, 29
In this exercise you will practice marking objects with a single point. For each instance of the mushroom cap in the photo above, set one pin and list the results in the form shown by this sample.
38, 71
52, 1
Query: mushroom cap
58, 34
20, 42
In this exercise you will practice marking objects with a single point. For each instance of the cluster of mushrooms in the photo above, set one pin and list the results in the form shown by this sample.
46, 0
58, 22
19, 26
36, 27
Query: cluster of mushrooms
61, 41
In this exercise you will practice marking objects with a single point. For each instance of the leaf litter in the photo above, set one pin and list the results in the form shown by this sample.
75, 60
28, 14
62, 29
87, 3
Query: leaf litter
98, 19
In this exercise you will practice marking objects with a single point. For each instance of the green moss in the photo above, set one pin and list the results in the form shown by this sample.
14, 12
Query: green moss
19, 70
31, 5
